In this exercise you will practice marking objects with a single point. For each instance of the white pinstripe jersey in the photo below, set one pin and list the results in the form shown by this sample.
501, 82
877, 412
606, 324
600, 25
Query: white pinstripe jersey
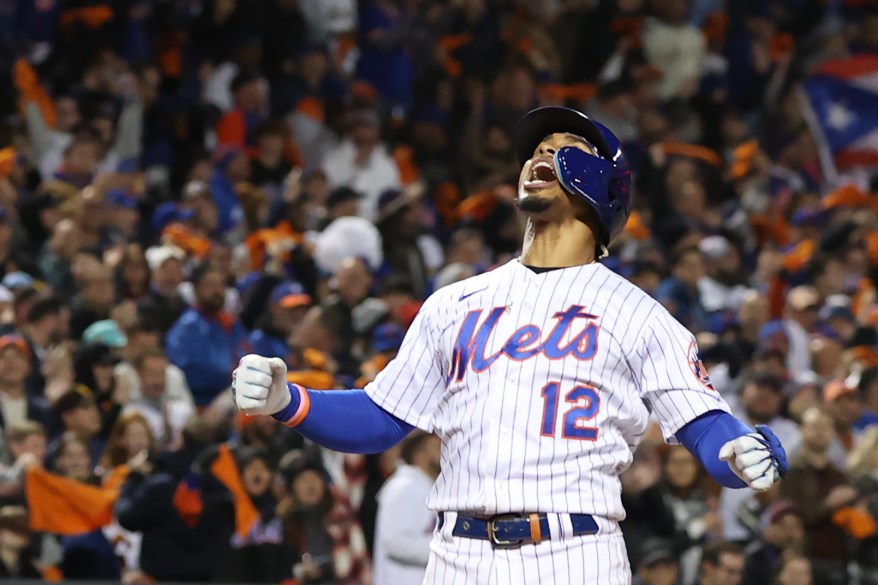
540, 386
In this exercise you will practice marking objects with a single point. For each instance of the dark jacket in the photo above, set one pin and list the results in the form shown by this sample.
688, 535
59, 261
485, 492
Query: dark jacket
761, 562
170, 550
163, 311
807, 487
867, 549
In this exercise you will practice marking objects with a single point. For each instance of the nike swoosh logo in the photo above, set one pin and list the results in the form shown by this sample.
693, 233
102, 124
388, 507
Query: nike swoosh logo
469, 294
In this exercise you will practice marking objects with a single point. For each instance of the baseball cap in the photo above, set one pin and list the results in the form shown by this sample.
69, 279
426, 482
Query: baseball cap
775, 512
168, 213
106, 332
340, 195
835, 389
18, 280
156, 256
654, 551
392, 201
387, 337
541, 122
15, 341
714, 247
803, 297
290, 295
120, 198
769, 331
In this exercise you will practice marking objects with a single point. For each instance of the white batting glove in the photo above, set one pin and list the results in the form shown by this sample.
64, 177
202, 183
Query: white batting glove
259, 385
757, 458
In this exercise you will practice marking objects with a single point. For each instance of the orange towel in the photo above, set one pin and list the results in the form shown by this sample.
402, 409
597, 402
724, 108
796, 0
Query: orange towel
61, 505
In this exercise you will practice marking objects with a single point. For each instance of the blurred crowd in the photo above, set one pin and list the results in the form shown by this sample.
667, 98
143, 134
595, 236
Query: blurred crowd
186, 181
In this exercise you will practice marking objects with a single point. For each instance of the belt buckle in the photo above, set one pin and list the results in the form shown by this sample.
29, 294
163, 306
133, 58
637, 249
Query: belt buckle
492, 532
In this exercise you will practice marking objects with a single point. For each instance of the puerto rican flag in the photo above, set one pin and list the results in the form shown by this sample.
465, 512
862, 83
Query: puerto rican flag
843, 100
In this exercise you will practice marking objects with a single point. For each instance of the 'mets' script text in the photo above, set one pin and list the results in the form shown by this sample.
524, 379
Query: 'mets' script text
525, 343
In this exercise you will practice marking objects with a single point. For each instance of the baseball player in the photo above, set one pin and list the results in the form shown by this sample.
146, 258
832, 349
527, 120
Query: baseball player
539, 377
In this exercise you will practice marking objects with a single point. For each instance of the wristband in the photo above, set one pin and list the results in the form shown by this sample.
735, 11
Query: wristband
297, 409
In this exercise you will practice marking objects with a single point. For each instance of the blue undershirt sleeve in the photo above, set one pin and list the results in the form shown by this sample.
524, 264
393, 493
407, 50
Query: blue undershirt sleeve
347, 421
705, 436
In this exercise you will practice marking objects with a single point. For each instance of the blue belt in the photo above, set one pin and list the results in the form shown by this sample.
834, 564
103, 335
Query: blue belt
515, 530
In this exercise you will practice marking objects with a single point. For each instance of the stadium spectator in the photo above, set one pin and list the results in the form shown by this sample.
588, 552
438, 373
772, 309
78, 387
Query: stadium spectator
165, 413
402, 549
781, 532
17, 559
657, 564
16, 403
818, 490
206, 331
721, 564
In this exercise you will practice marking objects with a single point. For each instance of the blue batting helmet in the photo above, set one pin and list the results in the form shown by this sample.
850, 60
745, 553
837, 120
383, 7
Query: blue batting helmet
603, 179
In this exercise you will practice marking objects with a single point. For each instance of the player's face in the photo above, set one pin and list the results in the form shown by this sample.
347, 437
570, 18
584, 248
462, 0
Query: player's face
538, 186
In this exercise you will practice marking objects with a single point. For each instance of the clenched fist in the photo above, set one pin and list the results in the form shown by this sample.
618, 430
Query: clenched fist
259, 385
758, 458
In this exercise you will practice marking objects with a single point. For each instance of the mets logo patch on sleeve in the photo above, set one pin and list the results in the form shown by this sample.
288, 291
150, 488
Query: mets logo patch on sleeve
697, 366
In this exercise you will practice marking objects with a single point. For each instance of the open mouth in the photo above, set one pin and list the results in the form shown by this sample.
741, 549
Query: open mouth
542, 174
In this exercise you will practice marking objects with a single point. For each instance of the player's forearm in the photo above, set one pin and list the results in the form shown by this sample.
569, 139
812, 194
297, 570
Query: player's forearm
706, 435
342, 420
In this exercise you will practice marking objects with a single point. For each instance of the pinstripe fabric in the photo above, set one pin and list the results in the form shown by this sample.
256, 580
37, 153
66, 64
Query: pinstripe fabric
578, 560
490, 412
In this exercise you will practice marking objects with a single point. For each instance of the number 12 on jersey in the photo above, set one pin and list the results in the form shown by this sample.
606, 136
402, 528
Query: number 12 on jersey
583, 405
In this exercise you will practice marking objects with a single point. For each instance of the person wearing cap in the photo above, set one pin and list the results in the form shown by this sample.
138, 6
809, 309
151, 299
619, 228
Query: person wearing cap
16, 404
206, 342
800, 323
845, 404
386, 341
286, 308
657, 564
401, 227
722, 287
163, 302
362, 162
341, 202
761, 402
124, 215
404, 525
232, 167
818, 489
780, 530
17, 560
